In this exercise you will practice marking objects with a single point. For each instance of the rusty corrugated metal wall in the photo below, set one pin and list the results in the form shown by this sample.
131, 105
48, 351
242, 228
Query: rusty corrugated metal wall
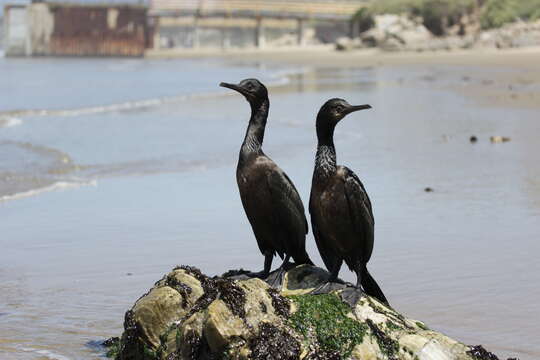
81, 30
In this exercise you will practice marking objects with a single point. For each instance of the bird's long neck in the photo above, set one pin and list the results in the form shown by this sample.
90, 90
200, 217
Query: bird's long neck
255, 132
325, 160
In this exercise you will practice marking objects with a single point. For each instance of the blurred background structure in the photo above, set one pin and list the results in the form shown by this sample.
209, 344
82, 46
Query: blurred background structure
129, 28
91, 28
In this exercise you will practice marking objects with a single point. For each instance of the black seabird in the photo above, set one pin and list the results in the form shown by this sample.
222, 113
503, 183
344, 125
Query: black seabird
341, 214
271, 202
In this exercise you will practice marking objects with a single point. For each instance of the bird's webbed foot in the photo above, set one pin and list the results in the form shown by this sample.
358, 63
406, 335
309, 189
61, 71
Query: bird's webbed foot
260, 274
276, 278
351, 295
328, 287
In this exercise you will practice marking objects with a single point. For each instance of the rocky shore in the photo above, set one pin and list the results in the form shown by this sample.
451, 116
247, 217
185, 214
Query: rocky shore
402, 33
189, 315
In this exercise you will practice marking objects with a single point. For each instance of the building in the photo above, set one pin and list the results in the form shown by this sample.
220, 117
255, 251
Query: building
71, 29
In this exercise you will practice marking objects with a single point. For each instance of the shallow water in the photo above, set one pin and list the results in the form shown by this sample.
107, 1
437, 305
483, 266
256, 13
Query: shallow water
127, 174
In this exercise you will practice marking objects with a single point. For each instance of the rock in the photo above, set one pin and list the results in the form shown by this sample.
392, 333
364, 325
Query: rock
345, 44
499, 139
188, 315
396, 32
517, 34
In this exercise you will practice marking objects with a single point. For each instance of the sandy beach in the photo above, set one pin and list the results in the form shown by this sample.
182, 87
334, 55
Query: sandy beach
510, 77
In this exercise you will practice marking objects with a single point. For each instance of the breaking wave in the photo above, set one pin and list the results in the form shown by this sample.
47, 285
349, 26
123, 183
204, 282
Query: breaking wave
8, 121
59, 185
13, 117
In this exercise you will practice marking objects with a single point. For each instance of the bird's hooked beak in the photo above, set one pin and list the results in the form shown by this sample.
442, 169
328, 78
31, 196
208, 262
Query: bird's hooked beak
235, 87
354, 108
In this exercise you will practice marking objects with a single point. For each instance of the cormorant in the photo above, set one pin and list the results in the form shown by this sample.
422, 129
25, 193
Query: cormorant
341, 214
271, 202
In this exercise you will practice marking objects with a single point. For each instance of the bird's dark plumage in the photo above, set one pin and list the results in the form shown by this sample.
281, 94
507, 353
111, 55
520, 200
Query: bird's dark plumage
340, 208
271, 202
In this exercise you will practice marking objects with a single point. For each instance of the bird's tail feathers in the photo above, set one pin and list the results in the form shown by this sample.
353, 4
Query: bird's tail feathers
371, 287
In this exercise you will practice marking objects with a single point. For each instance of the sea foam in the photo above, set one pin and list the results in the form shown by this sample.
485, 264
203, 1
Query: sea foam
6, 122
59, 185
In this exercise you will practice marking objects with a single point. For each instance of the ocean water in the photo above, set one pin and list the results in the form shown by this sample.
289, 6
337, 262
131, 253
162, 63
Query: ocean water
114, 171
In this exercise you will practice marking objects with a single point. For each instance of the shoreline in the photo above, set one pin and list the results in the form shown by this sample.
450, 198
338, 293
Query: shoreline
510, 77
320, 55
513, 87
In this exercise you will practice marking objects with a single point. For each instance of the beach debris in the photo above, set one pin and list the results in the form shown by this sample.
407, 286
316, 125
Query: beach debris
499, 139
428, 189
473, 139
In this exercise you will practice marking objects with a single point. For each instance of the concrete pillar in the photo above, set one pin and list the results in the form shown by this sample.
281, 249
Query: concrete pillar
300, 32
196, 39
259, 33
225, 38
157, 37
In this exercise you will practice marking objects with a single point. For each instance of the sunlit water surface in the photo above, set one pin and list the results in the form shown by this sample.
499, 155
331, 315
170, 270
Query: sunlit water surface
114, 171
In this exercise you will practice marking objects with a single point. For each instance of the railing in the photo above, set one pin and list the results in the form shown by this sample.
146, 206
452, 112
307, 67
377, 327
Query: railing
320, 9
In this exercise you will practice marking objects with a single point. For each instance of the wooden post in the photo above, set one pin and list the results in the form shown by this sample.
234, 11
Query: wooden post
259, 33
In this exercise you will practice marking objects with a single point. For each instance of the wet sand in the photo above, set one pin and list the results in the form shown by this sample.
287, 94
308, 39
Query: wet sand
513, 79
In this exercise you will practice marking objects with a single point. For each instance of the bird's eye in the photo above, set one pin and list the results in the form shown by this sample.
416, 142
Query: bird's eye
339, 108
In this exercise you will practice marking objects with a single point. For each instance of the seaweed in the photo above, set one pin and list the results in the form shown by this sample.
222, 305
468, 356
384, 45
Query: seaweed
392, 326
113, 346
184, 289
387, 345
281, 304
478, 352
225, 289
324, 318
274, 343
131, 346
232, 295
396, 316
323, 355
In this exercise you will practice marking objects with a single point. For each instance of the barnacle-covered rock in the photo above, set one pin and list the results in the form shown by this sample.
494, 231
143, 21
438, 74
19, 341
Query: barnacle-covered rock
188, 315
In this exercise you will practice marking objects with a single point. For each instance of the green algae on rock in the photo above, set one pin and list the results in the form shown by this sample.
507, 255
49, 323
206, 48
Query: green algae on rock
188, 316
324, 320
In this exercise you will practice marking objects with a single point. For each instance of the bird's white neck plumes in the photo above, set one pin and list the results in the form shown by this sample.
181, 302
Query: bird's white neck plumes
253, 140
325, 160
255, 132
